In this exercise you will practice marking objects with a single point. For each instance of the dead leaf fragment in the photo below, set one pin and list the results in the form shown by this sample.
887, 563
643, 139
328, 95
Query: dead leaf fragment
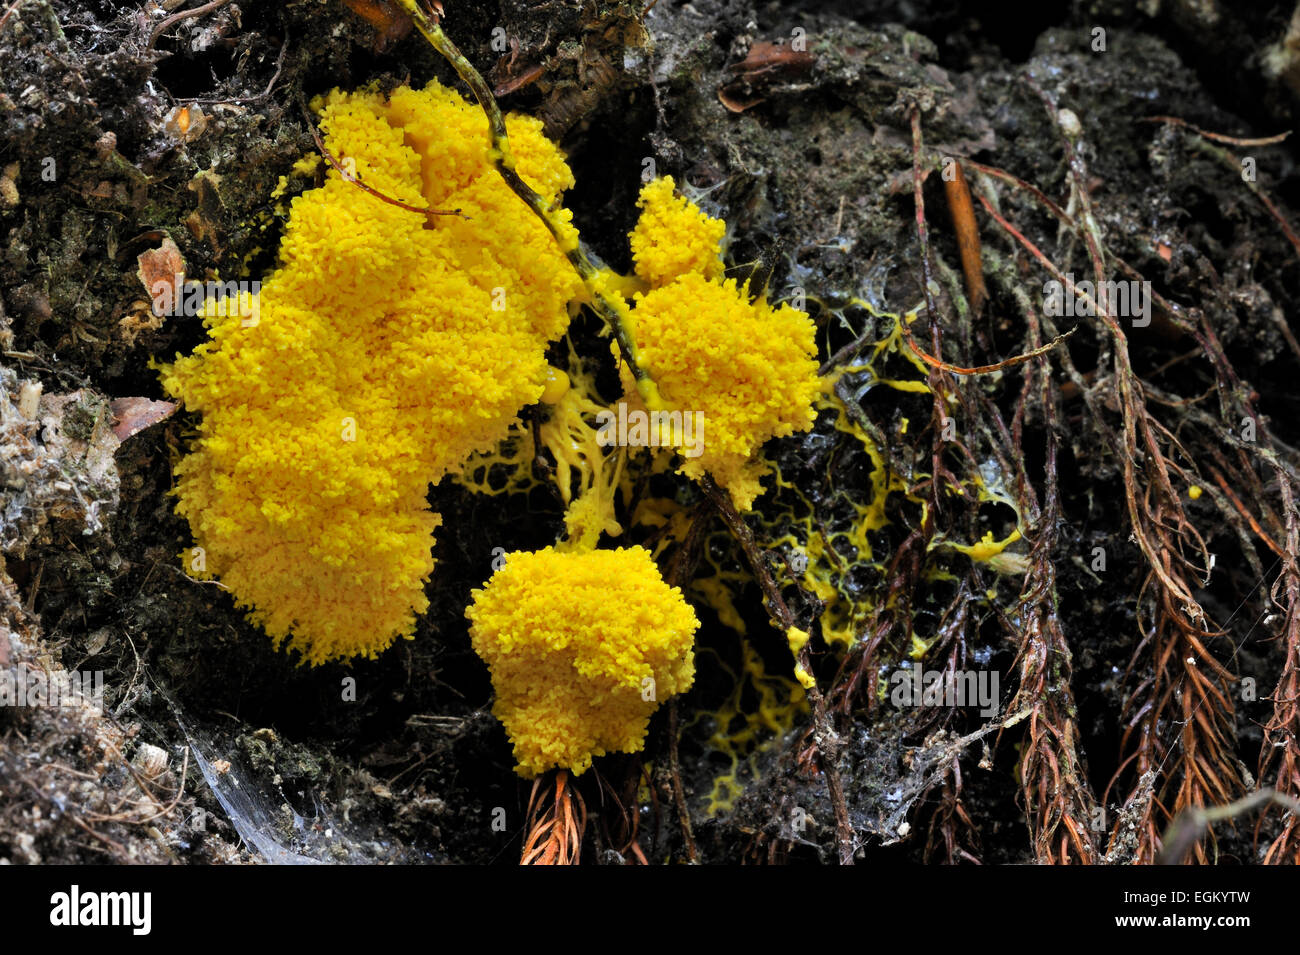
162, 271
390, 22
737, 105
133, 415
764, 65
766, 58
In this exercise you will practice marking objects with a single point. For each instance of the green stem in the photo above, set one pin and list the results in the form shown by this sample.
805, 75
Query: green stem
505, 165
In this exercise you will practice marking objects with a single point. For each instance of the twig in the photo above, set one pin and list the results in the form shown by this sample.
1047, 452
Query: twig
1079, 182
1279, 319
922, 232
624, 842
175, 18
279, 65
938, 387
982, 369
679, 796
123, 855
503, 159
968, 236
12, 7
1217, 137
1190, 825
1043, 260
1250, 518
1280, 731
682, 569
827, 740
356, 181
1179, 324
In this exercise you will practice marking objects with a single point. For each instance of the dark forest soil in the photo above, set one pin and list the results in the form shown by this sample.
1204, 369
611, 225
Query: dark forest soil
811, 164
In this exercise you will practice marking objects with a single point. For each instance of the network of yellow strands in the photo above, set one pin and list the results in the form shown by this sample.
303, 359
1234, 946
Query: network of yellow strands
386, 347
582, 646
748, 368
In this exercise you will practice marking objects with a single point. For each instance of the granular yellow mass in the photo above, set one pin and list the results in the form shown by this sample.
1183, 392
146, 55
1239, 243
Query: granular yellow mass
383, 351
749, 369
673, 237
583, 646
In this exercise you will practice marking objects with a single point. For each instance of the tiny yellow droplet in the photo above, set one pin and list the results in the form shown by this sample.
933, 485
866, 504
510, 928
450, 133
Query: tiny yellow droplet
557, 386
1194, 492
